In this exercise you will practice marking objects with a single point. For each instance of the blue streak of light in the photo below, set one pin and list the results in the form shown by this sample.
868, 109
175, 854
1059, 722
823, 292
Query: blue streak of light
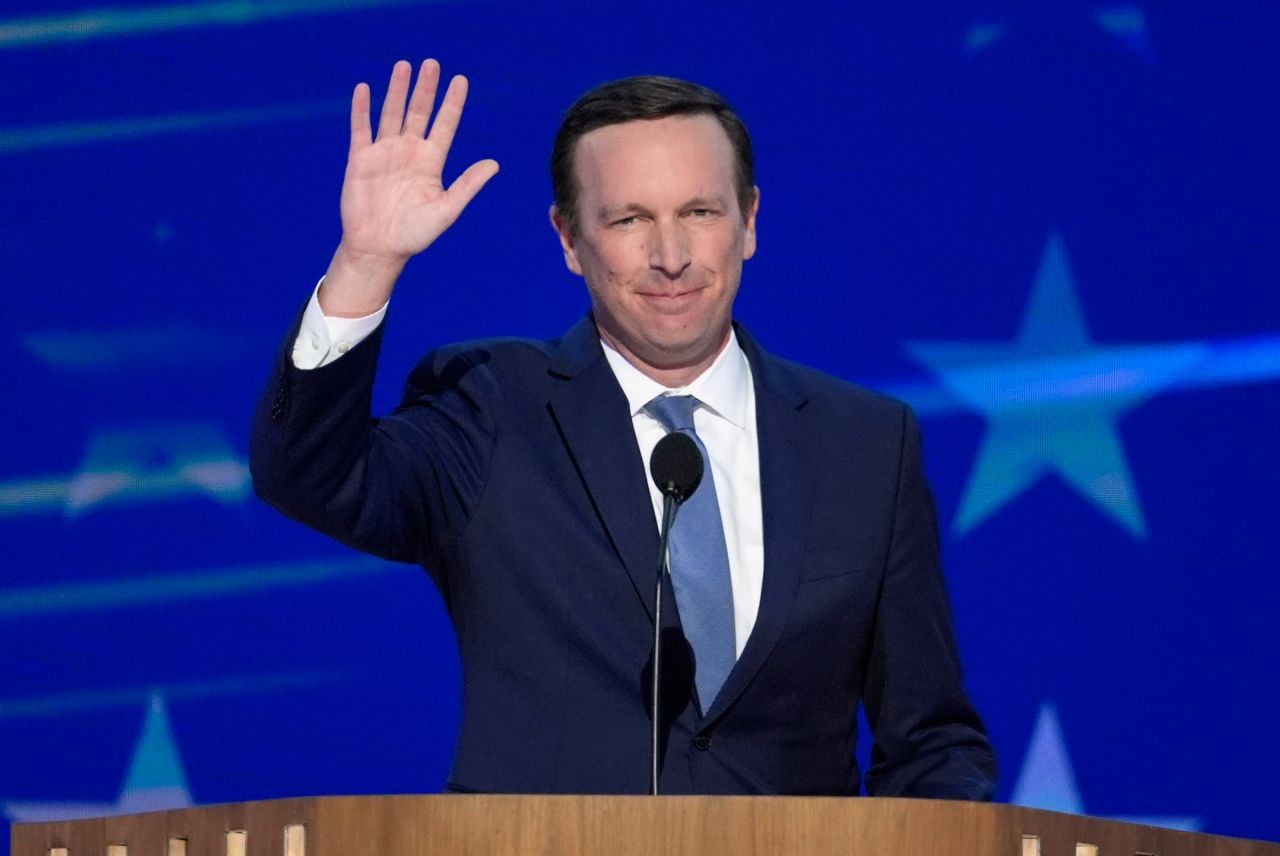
165, 588
79, 133
1105, 372
106, 22
72, 701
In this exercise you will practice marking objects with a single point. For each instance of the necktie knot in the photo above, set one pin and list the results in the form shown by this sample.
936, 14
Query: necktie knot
675, 412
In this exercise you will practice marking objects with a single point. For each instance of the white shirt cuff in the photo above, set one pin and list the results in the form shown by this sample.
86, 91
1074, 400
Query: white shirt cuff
323, 338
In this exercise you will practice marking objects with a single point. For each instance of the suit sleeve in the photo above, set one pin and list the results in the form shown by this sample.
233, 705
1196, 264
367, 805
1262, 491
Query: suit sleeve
929, 741
400, 487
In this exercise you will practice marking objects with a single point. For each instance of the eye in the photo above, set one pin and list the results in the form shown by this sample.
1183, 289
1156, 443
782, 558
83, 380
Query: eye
702, 213
626, 221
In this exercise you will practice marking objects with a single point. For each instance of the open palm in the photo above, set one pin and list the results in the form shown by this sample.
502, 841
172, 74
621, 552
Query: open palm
394, 202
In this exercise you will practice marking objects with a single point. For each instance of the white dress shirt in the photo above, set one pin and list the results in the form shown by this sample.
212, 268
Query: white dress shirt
725, 420
323, 338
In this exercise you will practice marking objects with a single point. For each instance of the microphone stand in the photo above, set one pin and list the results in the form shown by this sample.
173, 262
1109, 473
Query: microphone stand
676, 467
670, 500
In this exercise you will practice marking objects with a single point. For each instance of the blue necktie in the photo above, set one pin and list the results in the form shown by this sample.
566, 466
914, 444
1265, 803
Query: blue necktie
700, 564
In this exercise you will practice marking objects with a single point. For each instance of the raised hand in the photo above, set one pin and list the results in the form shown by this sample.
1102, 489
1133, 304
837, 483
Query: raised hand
394, 202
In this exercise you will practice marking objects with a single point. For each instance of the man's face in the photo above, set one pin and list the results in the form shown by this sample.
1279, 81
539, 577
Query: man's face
660, 240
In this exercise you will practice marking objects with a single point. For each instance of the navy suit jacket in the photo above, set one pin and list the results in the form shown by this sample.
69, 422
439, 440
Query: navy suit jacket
511, 472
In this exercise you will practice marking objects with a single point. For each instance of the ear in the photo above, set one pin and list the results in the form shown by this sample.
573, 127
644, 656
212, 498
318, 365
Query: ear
749, 239
566, 240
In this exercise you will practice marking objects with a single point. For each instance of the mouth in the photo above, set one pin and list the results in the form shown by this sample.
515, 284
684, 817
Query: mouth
671, 300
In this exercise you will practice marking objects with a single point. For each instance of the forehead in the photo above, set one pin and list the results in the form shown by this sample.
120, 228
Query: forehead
675, 153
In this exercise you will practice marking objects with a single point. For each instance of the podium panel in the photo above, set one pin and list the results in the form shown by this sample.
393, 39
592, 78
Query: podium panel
507, 825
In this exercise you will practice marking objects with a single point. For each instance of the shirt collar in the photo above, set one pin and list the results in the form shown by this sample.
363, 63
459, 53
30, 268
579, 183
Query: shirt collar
722, 388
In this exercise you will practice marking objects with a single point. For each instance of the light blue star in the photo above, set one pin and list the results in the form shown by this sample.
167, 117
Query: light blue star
1124, 22
155, 780
1047, 780
1052, 399
152, 463
983, 35
1127, 24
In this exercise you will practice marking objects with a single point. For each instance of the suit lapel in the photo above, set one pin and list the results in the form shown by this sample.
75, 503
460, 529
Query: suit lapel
592, 414
593, 417
786, 479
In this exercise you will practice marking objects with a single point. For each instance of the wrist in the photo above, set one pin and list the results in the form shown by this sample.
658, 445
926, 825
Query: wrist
358, 284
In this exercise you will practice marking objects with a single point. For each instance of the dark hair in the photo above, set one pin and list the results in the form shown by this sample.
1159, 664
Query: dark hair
647, 97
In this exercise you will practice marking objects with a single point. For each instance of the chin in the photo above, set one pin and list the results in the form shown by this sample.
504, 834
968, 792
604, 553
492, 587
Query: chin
677, 352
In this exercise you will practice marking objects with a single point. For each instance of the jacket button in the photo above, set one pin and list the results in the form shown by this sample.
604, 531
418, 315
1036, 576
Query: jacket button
278, 406
702, 742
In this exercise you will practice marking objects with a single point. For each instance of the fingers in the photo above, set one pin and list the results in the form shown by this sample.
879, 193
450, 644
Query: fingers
424, 96
466, 186
394, 120
392, 117
449, 114
361, 133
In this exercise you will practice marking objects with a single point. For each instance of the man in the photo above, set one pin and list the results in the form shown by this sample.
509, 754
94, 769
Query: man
514, 471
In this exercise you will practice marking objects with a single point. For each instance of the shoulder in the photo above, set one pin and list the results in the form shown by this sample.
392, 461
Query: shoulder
519, 366
842, 410
823, 395
498, 360
826, 389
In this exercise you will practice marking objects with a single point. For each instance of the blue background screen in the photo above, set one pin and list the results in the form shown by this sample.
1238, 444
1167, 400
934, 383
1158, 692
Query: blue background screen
1051, 227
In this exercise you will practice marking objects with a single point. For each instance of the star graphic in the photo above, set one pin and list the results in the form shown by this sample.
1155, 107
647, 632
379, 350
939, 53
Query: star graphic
1047, 780
150, 463
155, 780
1124, 22
1052, 399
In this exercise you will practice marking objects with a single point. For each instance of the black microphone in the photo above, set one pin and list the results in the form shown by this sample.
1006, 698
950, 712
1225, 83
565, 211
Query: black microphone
676, 467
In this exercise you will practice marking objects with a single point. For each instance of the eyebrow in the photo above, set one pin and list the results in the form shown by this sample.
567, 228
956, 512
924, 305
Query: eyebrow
606, 213
707, 202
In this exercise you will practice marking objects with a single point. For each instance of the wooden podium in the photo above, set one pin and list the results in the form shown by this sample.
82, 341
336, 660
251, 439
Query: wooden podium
492, 825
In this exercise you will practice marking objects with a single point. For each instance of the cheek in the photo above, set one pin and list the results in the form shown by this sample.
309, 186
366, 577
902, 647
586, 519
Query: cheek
598, 268
721, 249
624, 265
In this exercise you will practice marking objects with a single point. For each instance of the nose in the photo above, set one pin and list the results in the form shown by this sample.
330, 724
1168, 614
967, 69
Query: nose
669, 250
